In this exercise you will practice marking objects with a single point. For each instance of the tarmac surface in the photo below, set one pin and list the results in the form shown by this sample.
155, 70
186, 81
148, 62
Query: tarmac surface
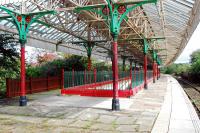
162, 108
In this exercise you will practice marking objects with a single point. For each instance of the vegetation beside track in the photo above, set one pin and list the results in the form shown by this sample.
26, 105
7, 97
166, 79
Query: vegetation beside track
188, 71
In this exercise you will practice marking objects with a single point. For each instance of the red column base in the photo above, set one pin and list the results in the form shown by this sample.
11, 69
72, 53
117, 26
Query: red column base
145, 86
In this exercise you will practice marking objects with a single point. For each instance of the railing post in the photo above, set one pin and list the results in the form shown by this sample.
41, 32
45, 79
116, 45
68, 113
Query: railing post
85, 77
139, 76
47, 81
89, 76
135, 82
72, 77
131, 78
157, 71
160, 71
154, 71
62, 79
131, 75
30, 83
95, 75
8, 88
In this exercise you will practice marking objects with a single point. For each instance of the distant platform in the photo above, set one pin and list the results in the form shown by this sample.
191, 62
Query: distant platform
163, 108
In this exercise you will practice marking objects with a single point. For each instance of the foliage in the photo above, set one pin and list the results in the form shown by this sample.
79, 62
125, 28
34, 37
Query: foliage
193, 69
8, 51
32, 71
169, 69
182, 68
102, 66
195, 56
47, 57
52, 68
176, 69
9, 58
195, 60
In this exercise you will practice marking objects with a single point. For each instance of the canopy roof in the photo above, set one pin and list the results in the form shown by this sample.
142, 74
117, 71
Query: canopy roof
168, 24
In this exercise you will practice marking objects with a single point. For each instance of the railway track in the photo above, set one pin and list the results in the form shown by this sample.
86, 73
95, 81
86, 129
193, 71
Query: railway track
193, 92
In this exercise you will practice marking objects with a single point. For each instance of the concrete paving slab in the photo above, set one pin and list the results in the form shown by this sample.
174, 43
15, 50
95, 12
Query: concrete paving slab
50, 112
175, 115
54, 113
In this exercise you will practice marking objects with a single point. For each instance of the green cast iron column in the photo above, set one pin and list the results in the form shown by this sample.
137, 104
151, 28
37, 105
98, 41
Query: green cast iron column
22, 23
115, 14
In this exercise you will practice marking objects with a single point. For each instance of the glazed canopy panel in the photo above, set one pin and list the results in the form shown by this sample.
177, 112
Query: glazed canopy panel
172, 20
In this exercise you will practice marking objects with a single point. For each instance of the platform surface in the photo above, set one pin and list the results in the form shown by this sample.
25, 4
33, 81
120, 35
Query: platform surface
163, 108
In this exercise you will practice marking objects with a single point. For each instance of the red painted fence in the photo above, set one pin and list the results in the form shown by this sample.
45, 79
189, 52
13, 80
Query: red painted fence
99, 89
33, 85
96, 89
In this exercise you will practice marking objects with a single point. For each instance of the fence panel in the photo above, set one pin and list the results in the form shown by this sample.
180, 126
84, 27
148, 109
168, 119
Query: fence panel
33, 85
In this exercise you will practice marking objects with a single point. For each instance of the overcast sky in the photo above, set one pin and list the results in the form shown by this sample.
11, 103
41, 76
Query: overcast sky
192, 46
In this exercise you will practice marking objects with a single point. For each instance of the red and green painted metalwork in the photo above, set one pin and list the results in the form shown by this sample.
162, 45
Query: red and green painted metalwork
115, 13
99, 83
145, 47
154, 66
23, 23
33, 85
89, 47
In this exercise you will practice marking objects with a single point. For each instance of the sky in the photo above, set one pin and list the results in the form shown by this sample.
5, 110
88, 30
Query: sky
193, 45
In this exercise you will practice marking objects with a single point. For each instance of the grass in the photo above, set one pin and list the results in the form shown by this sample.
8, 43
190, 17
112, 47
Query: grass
88, 125
114, 124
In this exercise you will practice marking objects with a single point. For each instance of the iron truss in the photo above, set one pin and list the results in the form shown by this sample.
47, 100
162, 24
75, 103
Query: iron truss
168, 19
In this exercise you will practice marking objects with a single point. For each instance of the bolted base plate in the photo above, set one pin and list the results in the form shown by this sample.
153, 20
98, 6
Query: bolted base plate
22, 101
145, 86
115, 105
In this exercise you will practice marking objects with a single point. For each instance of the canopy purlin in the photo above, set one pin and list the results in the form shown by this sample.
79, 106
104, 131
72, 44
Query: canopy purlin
169, 19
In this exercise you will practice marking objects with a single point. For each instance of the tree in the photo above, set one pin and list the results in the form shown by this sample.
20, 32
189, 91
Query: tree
9, 58
170, 69
195, 60
176, 69
195, 56
9, 54
47, 57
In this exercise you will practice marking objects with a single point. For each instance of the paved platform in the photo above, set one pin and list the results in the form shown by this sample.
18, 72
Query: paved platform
177, 114
162, 108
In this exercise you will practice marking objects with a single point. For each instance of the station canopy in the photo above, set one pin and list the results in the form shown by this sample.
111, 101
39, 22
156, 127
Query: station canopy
167, 25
